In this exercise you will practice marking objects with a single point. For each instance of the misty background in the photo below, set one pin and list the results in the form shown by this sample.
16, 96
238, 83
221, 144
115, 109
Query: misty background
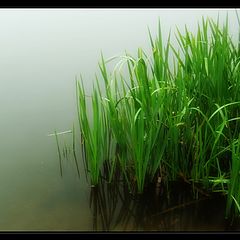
41, 53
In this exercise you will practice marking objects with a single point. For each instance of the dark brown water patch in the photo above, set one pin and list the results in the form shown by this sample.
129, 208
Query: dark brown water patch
114, 208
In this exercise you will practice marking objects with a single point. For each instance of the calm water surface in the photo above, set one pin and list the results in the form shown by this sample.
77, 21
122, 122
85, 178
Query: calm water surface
41, 53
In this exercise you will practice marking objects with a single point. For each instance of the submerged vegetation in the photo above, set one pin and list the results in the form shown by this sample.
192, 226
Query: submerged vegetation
163, 122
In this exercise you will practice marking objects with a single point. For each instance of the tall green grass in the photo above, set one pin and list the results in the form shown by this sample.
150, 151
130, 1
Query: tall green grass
95, 132
234, 185
172, 122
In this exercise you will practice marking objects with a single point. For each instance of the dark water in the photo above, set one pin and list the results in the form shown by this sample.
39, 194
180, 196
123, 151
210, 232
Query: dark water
157, 210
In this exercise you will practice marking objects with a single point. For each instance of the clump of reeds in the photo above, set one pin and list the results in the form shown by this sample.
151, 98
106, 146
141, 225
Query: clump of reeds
165, 123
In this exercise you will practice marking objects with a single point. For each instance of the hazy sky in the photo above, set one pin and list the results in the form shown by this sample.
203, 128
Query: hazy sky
42, 50
71, 39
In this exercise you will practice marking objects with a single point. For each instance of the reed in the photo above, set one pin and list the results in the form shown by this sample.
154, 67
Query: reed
94, 132
233, 190
59, 153
169, 122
